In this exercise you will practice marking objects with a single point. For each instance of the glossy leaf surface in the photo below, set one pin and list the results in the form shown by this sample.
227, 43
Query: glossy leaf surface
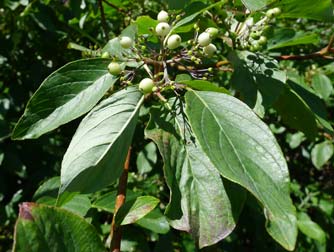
98, 149
243, 149
199, 203
66, 94
41, 228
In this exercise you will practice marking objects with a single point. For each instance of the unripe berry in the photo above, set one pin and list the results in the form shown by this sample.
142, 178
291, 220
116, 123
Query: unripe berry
255, 35
210, 50
273, 12
262, 40
277, 11
146, 85
162, 29
204, 39
174, 41
212, 31
105, 55
162, 16
126, 42
114, 68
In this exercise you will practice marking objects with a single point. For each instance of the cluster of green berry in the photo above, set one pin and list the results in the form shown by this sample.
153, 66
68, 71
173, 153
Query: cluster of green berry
252, 35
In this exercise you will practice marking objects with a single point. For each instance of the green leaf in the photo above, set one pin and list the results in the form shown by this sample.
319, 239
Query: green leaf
106, 202
77, 203
255, 5
203, 86
295, 113
322, 86
47, 194
176, 4
42, 228
321, 153
191, 17
154, 221
98, 149
147, 158
198, 202
243, 149
66, 94
310, 228
289, 37
257, 73
133, 211
318, 10
314, 103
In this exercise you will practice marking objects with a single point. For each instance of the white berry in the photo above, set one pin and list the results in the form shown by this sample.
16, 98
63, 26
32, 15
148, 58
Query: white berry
146, 85
162, 29
204, 39
126, 42
210, 50
162, 16
174, 41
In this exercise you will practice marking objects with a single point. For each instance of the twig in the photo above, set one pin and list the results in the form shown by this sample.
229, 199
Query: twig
115, 231
103, 20
114, 6
323, 53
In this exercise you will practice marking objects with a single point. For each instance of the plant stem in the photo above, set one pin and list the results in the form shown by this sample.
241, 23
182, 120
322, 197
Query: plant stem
115, 231
103, 20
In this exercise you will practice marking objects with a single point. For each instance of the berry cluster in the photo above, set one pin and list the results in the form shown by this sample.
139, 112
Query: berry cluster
191, 52
251, 35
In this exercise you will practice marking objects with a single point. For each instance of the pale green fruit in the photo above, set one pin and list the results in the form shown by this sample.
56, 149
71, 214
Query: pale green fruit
162, 16
174, 41
212, 31
204, 39
210, 50
126, 42
162, 29
146, 85
114, 68
262, 40
105, 55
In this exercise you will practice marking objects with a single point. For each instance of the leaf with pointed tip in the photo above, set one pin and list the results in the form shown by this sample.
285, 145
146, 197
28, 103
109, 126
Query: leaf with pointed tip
66, 94
98, 149
46, 228
198, 203
243, 149
134, 210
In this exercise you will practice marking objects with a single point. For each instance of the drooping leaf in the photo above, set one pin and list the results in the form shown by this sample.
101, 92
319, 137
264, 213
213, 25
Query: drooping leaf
243, 149
154, 221
42, 228
65, 95
321, 153
198, 202
310, 228
98, 149
134, 210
